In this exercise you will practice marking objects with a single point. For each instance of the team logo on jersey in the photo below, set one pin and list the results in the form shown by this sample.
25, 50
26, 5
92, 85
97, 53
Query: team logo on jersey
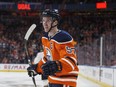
48, 54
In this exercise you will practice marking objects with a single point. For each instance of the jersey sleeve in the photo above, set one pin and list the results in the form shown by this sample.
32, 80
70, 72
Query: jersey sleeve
68, 57
42, 61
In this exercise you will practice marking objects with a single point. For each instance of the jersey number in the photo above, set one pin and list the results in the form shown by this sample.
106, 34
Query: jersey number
70, 50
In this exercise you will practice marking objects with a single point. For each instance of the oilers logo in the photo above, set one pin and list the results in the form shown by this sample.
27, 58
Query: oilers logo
48, 54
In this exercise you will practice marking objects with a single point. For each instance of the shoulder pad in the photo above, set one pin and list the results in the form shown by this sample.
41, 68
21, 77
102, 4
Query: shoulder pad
62, 36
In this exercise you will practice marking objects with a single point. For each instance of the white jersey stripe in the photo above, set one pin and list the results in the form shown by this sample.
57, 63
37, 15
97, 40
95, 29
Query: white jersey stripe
63, 79
59, 42
68, 63
74, 72
43, 60
74, 59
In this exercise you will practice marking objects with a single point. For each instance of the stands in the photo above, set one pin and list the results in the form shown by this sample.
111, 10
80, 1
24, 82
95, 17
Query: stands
86, 28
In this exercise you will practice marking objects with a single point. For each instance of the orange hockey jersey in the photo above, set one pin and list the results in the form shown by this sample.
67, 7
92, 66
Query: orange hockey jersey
60, 47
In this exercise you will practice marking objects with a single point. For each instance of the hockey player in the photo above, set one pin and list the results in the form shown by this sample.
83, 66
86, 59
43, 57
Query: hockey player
60, 61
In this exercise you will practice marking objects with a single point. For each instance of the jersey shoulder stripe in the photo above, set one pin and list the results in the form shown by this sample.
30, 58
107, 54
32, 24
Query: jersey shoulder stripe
62, 36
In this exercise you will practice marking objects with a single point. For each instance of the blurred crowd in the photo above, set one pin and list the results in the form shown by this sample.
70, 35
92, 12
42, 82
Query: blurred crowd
12, 31
85, 29
59, 1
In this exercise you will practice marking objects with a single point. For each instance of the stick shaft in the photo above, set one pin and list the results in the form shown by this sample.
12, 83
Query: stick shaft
30, 30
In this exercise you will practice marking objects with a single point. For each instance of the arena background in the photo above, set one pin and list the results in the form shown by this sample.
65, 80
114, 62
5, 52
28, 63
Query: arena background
92, 23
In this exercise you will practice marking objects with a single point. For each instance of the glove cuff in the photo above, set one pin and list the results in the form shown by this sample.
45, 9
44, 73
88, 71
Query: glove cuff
35, 68
59, 66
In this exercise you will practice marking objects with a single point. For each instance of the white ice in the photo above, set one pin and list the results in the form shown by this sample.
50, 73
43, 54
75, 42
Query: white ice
21, 79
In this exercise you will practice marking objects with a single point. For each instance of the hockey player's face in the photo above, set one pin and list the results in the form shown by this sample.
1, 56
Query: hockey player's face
46, 21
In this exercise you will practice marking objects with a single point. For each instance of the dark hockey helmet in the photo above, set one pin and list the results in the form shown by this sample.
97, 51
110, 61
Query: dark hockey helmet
51, 13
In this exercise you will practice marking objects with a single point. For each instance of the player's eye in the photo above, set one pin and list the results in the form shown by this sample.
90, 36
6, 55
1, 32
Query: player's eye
45, 20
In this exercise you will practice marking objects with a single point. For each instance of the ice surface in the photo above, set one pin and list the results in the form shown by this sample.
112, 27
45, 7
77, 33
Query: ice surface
21, 79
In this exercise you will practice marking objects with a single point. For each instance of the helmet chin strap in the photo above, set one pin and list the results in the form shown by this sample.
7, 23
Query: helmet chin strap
51, 29
52, 26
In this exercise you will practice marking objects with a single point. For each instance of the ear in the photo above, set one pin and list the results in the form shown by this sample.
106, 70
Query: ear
56, 22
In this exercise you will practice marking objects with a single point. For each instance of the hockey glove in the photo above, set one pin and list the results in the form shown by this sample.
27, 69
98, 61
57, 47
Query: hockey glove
51, 67
32, 70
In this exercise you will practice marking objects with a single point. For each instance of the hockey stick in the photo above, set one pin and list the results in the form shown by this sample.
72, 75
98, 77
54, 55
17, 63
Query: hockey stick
30, 30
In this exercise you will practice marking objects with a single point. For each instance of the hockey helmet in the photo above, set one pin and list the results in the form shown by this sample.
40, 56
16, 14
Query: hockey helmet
51, 13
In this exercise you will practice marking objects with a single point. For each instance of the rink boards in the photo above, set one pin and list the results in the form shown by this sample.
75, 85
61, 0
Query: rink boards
102, 75
13, 67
